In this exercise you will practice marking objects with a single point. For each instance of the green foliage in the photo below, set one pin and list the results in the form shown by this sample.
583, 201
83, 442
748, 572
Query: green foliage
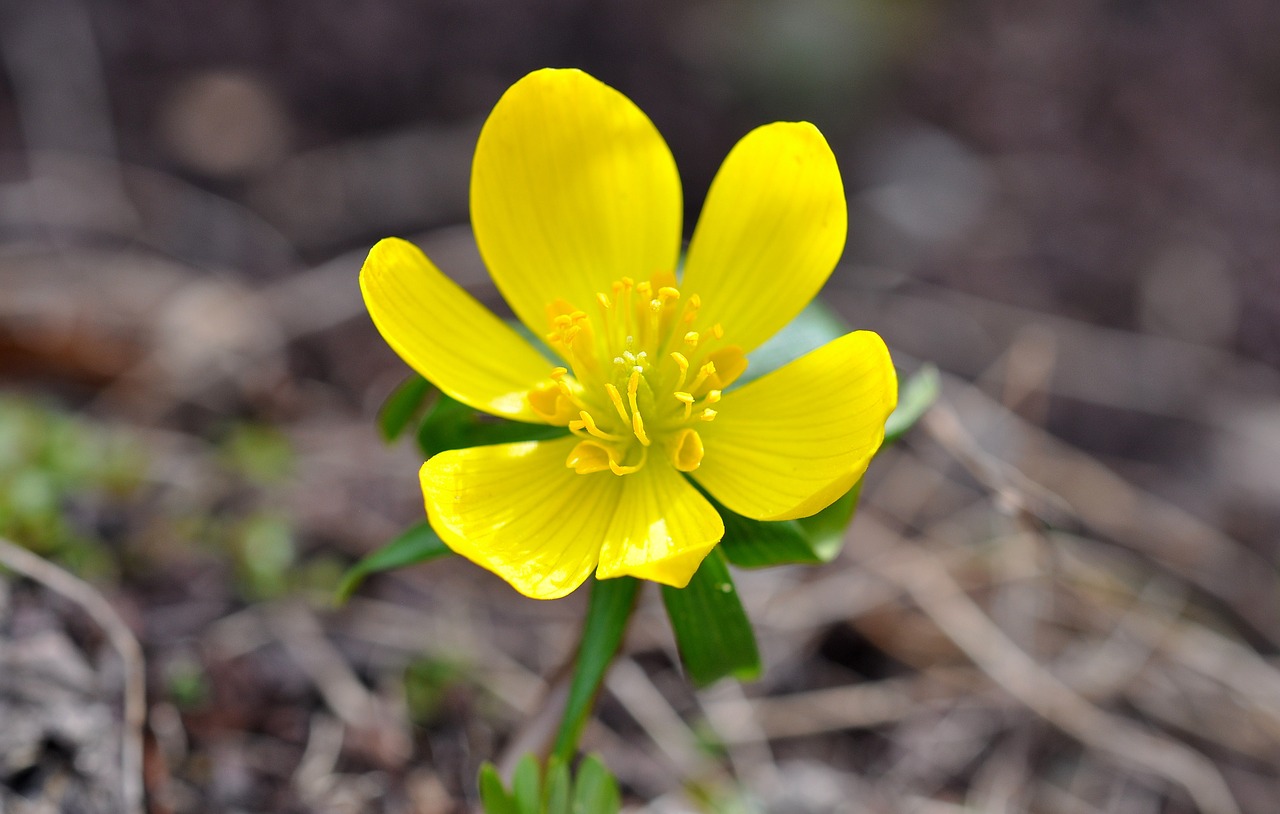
55, 469
403, 406
427, 685
608, 612
712, 631
186, 682
807, 541
593, 791
915, 396
258, 453
417, 544
264, 552
450, 424
814, 327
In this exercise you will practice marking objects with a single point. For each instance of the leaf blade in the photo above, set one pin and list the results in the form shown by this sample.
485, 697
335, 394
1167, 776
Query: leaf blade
418, 543
917, 395
402, 406
450, 424
713, 633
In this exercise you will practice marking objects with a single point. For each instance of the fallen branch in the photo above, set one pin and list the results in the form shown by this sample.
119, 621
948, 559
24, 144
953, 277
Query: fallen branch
22, 561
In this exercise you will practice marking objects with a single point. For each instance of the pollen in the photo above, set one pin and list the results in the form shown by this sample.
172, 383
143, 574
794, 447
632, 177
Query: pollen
644, 372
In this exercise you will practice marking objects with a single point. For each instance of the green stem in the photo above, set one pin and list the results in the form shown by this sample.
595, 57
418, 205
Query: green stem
608, 611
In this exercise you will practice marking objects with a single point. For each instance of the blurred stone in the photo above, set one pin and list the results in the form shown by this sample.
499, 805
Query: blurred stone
927, 185
213, 327
225, 124
1247, 456
1188, 292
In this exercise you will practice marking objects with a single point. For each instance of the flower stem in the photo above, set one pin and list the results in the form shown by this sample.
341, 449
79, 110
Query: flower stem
608, 611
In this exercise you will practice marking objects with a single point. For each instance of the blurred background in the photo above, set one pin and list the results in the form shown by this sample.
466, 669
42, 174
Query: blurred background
1059, 595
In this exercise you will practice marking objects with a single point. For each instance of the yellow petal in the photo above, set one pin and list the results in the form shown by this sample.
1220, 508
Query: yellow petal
661, 529
571, 189
771, 231
517, 510
791, 442
442, 332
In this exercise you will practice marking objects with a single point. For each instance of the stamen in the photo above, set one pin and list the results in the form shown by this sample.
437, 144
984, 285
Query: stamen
687, 399
708, 415
589, 424
681, 363
691, 339
706, 371
618, 469
691, 310
616, 398
637, 422
668, 294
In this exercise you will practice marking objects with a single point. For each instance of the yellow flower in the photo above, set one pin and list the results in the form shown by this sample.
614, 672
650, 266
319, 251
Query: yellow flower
576, 207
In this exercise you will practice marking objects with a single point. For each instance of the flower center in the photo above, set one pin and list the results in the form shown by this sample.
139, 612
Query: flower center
641, 378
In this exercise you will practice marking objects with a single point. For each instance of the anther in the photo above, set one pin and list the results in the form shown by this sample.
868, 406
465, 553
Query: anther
668, 294
708, 415
691, 339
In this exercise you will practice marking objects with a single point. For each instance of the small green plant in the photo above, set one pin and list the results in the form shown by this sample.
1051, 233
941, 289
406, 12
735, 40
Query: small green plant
592, 791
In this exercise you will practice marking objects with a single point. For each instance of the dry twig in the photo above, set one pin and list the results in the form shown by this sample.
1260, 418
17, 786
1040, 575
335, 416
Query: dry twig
122, 641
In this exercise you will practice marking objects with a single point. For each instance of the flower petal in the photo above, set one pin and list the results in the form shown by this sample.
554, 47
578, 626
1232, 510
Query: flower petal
442, 332
771, 230
517, 510
661, 529
571, 189
791, 442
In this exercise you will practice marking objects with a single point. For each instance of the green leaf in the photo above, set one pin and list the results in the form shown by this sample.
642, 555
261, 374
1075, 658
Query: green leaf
450, 424
812, 540
556, 789
812, 328
916, 395
526, 786
418, 544
712, 630
595, 791
608, 612
402, 406
493, 796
